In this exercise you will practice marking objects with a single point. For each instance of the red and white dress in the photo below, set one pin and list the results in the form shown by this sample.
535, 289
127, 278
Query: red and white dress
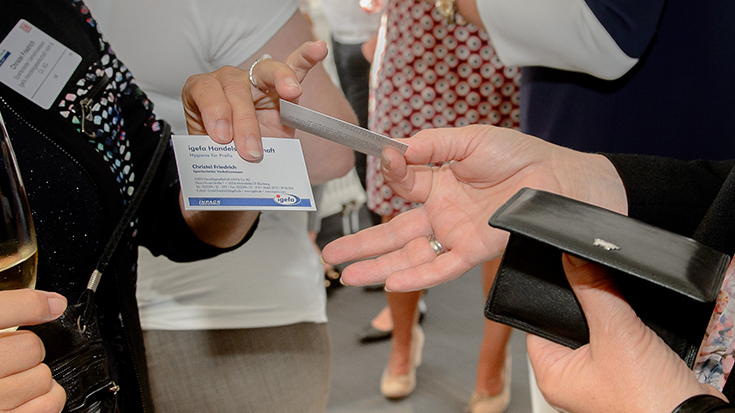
431, 75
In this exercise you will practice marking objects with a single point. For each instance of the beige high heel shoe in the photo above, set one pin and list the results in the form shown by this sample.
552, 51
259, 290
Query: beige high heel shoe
399, 386
497, 403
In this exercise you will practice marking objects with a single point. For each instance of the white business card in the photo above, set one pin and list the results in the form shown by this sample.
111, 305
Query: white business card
214, 177
35, 65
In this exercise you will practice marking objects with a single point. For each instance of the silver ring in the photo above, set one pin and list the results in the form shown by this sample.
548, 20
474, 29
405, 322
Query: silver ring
436, 245
252, 78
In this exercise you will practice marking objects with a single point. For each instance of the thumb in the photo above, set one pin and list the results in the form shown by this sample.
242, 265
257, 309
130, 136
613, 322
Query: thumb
308, 55
604, 308
29, 307
396, 172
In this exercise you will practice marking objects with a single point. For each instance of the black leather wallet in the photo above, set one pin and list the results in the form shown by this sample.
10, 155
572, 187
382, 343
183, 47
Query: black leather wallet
671, 281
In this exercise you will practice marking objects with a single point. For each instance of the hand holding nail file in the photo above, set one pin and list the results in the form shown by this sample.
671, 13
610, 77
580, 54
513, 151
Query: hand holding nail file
336, 130
214, 177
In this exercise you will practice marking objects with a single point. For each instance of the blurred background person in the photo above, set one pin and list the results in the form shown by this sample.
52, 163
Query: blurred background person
430, 74
247, 330
352, 33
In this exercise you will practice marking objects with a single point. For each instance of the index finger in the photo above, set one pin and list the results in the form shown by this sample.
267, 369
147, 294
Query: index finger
29, 307
216, 101
245, 125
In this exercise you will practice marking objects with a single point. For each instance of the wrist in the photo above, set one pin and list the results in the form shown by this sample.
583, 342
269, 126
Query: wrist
590, 178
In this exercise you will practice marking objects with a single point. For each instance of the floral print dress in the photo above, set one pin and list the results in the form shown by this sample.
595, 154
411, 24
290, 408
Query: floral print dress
427, 74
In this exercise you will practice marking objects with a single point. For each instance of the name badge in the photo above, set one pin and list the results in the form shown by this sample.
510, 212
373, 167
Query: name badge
35, 65
214, 177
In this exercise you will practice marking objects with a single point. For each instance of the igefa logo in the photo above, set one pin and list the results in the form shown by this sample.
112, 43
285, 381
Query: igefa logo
286, 199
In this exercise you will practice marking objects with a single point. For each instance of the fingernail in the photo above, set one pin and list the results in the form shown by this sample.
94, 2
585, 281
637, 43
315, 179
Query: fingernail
342, 281
576, 261
252, 146
321, 260
290, 82
387, 290
56, 304
384, 161
223, 129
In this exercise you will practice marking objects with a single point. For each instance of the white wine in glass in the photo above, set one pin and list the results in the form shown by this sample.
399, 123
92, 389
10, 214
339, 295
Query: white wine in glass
18, 249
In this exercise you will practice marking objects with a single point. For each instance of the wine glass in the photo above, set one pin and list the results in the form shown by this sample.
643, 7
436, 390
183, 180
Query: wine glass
18, 249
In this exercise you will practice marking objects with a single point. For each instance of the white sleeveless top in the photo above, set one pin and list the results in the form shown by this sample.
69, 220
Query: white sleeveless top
275, 278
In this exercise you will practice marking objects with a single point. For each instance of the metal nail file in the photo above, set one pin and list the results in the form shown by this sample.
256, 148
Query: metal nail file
336, 130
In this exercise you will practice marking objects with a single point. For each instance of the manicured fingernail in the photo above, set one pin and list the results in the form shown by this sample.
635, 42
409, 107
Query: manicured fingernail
252, 146
342, 281
576, 261
386, 289
321, 260
223, 129
56, 304
384, 161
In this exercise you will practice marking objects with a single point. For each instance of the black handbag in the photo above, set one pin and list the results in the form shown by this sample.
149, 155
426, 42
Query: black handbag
78, 360
671, 281
75, 350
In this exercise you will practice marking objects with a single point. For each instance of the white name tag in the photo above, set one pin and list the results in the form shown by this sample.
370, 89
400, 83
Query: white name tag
35, 65
214, 177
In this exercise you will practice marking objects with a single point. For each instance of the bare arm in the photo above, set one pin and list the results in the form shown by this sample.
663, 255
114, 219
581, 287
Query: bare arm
324, 160
601, 39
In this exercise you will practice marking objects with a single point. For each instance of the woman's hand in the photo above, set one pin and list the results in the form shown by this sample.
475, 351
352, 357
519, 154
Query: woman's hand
482, 167
626, 367
26, 385
225, 105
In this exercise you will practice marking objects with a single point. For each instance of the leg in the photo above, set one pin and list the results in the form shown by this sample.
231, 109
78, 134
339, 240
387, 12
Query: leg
492, 350
399, 376
491, 377
381, 326
354, 77
384, 320
404, 311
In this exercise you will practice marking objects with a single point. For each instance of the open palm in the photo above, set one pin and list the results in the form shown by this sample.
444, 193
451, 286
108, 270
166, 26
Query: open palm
481, 167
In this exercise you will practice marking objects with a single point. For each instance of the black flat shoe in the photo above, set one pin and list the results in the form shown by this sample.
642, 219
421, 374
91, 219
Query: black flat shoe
374, 288
370, 334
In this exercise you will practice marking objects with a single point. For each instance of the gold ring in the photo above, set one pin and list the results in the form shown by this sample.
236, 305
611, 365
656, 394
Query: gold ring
436, 245
252, 67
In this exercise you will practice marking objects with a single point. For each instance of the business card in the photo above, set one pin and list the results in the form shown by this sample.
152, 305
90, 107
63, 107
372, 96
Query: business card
214, 177
34, 64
